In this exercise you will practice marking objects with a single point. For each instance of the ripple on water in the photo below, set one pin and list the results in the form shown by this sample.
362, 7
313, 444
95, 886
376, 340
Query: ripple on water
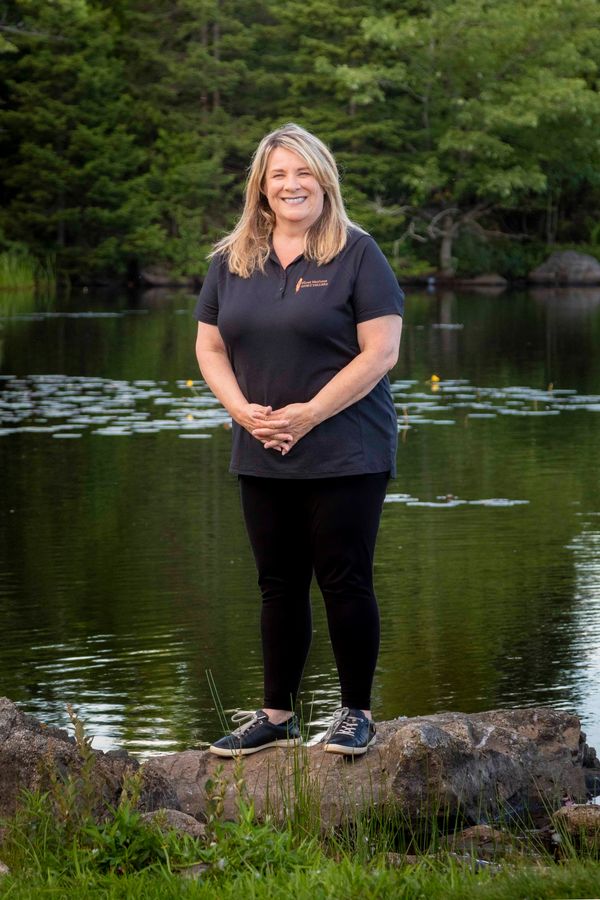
449, 501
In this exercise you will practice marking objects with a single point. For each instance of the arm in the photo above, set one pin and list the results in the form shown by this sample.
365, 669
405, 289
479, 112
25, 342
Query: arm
379, 343
217, 372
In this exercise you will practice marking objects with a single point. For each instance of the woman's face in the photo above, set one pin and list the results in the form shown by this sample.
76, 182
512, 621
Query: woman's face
293, 192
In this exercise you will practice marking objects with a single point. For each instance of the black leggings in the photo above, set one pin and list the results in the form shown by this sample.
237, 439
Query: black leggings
328, 525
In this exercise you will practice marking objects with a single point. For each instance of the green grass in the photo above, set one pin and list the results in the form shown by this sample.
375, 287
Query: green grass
56, 848
326, 879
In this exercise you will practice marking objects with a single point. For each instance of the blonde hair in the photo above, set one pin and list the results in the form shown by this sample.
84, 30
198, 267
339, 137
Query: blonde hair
247, 247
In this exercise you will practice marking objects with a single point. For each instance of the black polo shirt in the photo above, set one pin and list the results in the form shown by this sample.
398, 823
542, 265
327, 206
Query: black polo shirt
287, 333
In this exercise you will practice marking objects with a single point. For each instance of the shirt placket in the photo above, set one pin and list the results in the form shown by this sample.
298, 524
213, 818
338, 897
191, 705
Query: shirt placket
284, 275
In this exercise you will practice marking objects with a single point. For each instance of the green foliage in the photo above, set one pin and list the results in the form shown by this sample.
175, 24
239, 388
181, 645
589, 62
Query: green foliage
512, 259
47, 846
125, 843
494, 90
127, 128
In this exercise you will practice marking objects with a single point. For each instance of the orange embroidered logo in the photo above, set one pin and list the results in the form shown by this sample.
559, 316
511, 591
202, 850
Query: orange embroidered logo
314, 283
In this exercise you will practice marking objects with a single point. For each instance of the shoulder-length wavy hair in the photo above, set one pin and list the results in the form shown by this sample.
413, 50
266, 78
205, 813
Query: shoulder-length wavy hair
247, 247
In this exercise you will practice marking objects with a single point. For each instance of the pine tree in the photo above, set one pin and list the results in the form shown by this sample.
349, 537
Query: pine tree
72, 159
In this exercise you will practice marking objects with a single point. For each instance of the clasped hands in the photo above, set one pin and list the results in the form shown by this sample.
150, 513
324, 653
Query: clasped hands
278, 429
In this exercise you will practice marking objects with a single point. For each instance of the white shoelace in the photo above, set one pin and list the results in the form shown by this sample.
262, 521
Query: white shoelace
247, 717
342, 723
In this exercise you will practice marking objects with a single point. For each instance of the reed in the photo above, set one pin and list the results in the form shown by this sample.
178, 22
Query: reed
17, 271
26, 285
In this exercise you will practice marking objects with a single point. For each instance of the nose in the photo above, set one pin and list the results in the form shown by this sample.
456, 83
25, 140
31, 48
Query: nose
292, 183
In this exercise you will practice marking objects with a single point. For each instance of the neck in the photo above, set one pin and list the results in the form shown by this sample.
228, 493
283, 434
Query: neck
289, 231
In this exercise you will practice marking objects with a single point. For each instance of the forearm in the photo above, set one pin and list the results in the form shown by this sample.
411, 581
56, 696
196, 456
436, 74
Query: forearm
219, 376
350, 384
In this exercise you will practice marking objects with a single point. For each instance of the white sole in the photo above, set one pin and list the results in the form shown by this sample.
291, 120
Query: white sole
246, 751
349, 751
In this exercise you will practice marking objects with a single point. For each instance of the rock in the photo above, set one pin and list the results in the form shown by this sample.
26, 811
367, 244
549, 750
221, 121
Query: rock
483, 842
567, 267
475, 864
175, 820
591, 767
157, 792
580, 822
28, 748
399, 860
195, 872
476, 765
4, 870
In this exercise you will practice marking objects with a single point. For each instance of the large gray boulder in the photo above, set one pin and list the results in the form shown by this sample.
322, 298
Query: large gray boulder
479, 765
567, 267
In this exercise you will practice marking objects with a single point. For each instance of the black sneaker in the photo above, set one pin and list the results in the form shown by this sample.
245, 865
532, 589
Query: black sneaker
351, 732
256, 733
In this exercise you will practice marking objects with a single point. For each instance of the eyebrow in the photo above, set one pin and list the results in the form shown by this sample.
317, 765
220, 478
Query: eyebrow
298, 169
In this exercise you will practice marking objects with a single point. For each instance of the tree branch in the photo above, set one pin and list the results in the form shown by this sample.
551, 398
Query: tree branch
14, 29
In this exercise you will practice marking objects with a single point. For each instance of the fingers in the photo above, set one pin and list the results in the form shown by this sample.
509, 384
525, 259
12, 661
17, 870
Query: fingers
271, 430
277, 438
283, 448
285, 439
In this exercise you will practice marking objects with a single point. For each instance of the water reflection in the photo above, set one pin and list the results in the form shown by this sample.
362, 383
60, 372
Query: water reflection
586, 551
125, 572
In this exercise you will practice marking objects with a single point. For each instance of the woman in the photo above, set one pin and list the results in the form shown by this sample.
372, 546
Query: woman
299, 323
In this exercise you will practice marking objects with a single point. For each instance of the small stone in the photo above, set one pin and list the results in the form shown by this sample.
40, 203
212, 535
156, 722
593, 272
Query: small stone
397, 860
481, 841
174, 820
195, 872
579, 820
479, 865
4, 870
579, 817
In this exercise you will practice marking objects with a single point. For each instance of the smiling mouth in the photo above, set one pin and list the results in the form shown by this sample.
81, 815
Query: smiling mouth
295, 201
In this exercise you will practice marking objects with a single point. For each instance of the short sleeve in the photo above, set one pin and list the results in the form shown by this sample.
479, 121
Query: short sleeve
376, 289
207, 305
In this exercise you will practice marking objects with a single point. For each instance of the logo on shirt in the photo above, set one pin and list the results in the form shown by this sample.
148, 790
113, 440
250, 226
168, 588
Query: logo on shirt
311, 283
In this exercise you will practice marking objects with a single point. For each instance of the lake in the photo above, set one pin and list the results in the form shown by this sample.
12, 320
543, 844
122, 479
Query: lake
125, 572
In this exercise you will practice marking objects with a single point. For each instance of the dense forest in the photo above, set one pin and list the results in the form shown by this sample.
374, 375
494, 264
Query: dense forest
467, 131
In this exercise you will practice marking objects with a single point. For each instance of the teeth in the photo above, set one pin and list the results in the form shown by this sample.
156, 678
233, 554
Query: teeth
294, 199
